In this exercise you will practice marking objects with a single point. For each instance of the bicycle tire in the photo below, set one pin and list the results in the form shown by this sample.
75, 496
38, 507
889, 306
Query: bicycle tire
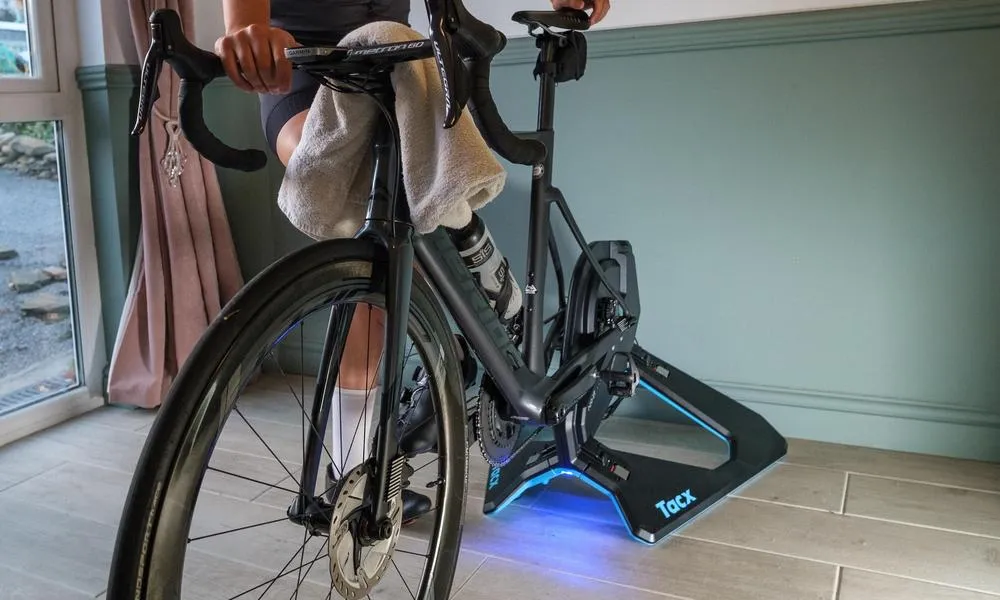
147, 563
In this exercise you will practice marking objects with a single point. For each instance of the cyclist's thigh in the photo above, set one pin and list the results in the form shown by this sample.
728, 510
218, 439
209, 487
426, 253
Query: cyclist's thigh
283, 115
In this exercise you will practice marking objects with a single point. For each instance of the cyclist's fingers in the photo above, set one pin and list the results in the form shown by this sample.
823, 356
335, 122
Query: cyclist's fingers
601, 8
226, 51
282, 67
248, 65
261, 47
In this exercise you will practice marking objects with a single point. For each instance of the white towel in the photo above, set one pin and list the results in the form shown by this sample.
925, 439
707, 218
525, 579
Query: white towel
447, 173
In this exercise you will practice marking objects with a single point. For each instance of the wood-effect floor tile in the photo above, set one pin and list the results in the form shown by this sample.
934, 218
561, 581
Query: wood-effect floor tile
65, 549
23, 460
126, 418
93, 493
864, 585
499, 578
959, 560
900, 465
682, 567
956, 509
806, 487
15, 585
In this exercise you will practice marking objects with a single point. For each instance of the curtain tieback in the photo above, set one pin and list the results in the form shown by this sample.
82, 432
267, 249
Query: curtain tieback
174, 158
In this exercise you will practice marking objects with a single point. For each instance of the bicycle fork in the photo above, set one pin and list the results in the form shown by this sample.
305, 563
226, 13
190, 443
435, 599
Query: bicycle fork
387, 222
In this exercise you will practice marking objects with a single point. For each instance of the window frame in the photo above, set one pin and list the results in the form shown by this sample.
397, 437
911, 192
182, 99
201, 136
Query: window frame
42, 35
55, 97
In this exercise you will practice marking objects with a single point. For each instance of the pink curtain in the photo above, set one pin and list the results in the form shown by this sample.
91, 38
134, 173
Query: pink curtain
186, 267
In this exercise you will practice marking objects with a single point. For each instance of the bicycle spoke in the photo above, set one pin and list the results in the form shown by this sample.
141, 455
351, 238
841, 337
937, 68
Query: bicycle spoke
269, 582
364, 418
235, 529
311, 565
302, 386
302, 558
364, 409
302, 390
398, 549
354, 435
409, 353
251, 479
289, 572
299, 552
393, 561
254, 430
436, 458
304, 415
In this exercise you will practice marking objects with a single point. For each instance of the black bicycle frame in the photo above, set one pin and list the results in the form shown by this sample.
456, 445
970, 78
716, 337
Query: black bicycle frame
388, 223
520, 376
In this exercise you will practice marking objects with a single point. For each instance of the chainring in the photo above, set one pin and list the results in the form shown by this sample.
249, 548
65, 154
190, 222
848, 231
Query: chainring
498, 437
356, 568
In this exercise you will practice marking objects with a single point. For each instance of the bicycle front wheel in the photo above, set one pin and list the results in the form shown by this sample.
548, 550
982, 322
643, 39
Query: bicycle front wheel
194, 526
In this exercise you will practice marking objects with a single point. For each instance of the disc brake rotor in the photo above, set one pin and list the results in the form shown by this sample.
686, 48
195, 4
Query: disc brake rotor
357, 567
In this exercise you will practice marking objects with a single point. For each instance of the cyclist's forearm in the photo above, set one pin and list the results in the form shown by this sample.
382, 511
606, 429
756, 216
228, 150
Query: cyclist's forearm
242, 13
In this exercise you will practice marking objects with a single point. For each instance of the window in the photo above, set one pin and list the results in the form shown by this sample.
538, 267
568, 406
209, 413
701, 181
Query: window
27, 47
51, 357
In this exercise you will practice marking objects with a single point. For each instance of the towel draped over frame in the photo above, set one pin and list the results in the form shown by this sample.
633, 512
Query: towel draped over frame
447, 173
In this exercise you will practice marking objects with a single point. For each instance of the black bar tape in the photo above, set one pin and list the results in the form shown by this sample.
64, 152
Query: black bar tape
204, 142
484, 111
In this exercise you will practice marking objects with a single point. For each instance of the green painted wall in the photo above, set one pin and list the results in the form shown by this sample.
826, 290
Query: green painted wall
813, 201
108, 105
815, 223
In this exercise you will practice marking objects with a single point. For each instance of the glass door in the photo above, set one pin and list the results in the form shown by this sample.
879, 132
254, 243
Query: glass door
51, 358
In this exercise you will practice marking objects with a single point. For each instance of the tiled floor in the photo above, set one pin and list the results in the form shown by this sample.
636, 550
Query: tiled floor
830, 522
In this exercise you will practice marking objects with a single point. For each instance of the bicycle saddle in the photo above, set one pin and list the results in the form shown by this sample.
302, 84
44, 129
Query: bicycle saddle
565, 18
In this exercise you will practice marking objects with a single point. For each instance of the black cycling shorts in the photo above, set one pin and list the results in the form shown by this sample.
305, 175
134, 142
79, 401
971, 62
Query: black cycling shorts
277, 109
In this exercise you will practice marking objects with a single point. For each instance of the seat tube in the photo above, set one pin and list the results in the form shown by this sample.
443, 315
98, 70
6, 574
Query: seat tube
538, 232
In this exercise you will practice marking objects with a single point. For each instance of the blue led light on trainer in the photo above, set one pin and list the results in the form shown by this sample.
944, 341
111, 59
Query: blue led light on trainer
684, 411
542, 478
545, 477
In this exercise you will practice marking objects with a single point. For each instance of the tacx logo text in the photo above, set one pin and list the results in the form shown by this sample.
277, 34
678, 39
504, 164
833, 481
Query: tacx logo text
681, 501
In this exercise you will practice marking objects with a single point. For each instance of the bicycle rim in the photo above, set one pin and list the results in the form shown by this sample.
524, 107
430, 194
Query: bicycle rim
205, 399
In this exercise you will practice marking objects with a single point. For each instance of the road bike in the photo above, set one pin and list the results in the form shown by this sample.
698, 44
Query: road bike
561, 374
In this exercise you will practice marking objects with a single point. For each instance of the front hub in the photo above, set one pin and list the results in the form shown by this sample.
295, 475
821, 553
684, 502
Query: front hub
360, 553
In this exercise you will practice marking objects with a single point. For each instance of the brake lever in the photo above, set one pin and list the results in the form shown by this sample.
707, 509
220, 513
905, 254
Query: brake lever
152, 65
443, 24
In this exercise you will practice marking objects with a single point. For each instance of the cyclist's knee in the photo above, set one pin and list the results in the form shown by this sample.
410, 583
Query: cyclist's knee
289, 137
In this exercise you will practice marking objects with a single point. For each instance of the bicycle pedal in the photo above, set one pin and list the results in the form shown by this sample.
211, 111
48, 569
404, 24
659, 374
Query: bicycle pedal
620, 383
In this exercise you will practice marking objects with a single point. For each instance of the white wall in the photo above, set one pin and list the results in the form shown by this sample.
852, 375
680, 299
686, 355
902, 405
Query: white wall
624, 13
641, 13
208, 24
105, 33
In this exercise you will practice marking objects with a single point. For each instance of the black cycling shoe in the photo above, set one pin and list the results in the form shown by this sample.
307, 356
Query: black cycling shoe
417, 429
417, 426
414, 506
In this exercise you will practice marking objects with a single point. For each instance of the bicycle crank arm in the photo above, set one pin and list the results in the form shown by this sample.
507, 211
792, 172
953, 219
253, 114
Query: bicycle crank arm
565, 387
563, 401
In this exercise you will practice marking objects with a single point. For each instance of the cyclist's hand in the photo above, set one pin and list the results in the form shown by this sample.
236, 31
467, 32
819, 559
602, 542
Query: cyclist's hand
601, 7
254, 58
